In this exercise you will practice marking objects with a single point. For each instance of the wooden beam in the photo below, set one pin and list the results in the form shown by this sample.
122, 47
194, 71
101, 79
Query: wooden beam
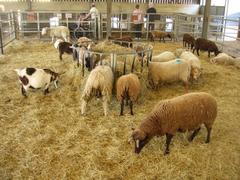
109, 15
206, 18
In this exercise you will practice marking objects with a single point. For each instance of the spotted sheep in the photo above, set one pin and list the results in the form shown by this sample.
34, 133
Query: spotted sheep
36, 78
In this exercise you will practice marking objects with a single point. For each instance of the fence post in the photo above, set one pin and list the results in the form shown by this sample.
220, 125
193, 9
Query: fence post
15, 26
238, 36
1, 42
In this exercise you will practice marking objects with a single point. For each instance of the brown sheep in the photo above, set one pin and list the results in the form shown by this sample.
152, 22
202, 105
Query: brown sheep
128, 88
159, 34
182, 113
205, 45
188, 40
125, 41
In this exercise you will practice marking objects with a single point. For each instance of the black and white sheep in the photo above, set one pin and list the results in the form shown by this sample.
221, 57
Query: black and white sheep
63, 47
188, 40
58, 31
205, 45
99, 83
128, 88
171, 71
36, 78
182, 113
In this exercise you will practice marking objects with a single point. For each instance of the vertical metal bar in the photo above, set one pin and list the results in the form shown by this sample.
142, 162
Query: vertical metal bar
206, 18
38, 26
15, 25
238, 36
1, 41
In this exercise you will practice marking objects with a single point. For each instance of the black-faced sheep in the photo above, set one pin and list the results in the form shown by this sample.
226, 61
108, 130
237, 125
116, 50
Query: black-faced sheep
36, 78
188, 40
63, 47
182, 113
159, 34
59, 31
128, 88
99, 83
171, 71
205, 45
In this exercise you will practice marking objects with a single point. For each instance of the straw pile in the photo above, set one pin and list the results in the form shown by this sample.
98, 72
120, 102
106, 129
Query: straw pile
45, 137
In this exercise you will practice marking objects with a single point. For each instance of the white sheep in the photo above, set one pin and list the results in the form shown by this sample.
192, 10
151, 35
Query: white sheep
194, 62
59, 31
171, 71
99, 83
223, 58
163, 57
36, 78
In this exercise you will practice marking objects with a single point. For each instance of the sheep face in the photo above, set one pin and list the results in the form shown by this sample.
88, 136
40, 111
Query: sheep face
141, 139
195, 73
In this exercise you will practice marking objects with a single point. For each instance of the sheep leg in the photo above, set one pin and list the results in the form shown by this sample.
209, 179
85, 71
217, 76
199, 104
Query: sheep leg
195, 132
105, 105
131, 107
186, 86
46, 89
208, 53
52, 39
24, 92
168, 141
122, 106
56, 84
83, 106
198, 52
208, 134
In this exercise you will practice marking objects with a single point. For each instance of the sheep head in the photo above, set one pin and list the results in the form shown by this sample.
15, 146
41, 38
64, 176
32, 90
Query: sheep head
44, 30
140, 138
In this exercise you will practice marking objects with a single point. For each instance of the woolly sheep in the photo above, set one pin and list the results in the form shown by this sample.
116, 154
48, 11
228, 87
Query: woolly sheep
188, 40
159, 34
223, 58
36, 78
171, 71
59, 31
182, 113
205, 45
99, 83
194, 62
163, 57
128, 88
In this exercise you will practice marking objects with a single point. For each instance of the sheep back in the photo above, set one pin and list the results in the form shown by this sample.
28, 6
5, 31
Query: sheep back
186, 112
206, 45
163, 57
59, 31
131, 83
100, 78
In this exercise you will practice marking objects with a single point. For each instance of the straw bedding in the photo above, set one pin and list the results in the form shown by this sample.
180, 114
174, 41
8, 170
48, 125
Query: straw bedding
45, 137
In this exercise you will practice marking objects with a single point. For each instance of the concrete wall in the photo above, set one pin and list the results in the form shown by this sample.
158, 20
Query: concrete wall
117, 7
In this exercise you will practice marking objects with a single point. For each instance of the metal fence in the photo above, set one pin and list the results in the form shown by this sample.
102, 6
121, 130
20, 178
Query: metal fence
224, 32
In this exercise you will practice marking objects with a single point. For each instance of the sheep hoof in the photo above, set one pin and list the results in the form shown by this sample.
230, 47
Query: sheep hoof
166, 152
207, 141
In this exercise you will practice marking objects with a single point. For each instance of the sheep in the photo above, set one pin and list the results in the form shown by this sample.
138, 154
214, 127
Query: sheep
63, 47
36, 78
223, 58
205, 45
59, 31
125, 41
194, 62
99, 83
170, 71
128, 88
159, 34
163, 57
181, 113
84, 41
188, 40
179, 51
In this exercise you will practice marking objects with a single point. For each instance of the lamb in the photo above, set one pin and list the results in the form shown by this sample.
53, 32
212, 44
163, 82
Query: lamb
163, 57
128, 88
99, 83
194, 62
223, 58
63, 47
172, 115
205, 45
159, 34
59, 31
36, 78
171, 71
188, 40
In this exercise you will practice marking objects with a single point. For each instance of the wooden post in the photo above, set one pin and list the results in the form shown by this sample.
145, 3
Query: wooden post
1, 42
206, 18
109, 15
